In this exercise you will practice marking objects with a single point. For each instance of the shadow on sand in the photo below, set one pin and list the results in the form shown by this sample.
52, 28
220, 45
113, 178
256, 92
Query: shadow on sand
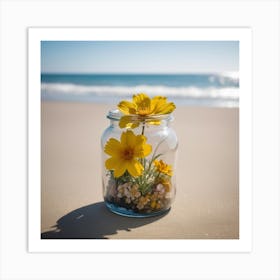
93, 221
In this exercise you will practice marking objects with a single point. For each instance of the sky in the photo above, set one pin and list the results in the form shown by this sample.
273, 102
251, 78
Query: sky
139, 56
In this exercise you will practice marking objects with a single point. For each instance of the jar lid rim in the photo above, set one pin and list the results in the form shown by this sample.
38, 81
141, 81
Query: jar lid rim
116, 114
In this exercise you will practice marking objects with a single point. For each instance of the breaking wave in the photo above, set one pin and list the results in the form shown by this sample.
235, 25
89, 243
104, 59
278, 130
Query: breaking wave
49, 89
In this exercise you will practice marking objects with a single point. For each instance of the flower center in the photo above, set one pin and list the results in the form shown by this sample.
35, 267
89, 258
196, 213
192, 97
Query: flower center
128, 154
144, 107
144, 111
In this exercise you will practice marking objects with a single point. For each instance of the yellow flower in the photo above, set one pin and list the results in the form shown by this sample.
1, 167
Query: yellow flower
162, 167
167, 185
124, 154
141, 107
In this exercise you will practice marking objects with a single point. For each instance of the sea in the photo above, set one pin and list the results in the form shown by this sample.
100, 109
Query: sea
211, 90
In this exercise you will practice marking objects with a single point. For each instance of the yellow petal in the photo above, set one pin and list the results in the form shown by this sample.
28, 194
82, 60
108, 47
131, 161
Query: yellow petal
160, 105
112, 163
127, 107
135, 168
141, 148
138, 149
146, 150
116, 164
138, 98
166, 108
163, 167
144, 107
128, 139
112, 147
157, 102
128, 122
120, 169
140, 139
154, 122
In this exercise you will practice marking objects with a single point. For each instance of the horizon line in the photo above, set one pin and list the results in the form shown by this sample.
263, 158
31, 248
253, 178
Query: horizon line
136, 73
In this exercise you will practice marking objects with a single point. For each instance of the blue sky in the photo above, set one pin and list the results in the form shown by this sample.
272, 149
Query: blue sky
139, 56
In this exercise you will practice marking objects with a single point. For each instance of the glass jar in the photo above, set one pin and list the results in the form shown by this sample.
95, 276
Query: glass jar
138, 165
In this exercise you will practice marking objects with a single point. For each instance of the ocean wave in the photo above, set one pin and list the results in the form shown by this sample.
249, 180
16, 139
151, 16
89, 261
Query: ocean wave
225, 79
68, 89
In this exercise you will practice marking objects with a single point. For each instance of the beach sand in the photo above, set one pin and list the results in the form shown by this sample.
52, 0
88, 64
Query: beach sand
207, 200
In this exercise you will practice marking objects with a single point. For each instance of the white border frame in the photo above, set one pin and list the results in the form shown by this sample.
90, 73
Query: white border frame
243, 35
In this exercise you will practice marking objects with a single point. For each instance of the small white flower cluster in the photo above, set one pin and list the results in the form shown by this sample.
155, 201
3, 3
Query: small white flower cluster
128, 191
160, 190
158, 198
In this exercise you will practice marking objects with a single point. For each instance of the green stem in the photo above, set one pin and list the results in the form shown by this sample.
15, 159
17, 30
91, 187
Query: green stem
143, 128
157, 176
154, 154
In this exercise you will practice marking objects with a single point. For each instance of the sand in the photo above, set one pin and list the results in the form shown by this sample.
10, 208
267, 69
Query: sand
207, 199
